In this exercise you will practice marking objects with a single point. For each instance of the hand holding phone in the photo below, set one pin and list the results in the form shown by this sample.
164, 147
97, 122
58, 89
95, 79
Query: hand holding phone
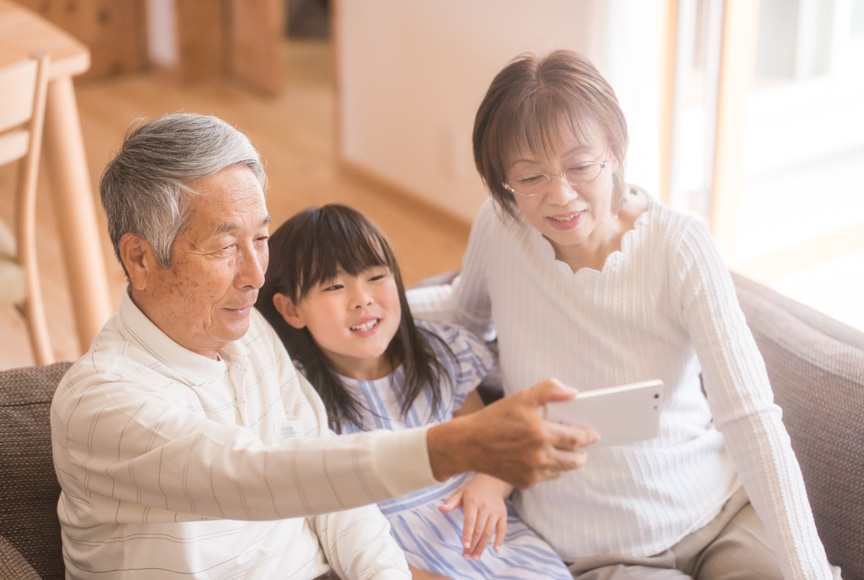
620, 414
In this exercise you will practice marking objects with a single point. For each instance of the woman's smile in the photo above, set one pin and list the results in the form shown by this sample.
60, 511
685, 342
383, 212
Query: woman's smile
566, 221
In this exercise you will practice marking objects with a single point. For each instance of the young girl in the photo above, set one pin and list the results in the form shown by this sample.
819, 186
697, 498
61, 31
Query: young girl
334, 294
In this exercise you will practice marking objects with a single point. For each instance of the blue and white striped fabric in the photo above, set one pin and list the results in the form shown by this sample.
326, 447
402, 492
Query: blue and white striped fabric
431, 539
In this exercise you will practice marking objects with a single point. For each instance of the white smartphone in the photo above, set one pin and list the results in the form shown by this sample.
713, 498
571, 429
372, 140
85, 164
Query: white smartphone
620, 414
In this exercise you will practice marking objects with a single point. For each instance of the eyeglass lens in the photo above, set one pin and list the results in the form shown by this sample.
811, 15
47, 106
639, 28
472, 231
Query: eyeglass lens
537, 183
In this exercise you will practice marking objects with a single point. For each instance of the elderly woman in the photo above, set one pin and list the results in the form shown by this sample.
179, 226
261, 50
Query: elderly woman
592, 281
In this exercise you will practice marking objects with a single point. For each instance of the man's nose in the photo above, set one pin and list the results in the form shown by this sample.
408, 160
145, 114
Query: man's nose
252, 266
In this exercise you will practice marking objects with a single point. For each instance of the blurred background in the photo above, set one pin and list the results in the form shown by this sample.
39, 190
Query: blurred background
748, 114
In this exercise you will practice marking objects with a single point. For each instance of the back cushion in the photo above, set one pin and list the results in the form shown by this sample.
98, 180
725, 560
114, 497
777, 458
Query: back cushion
28, 486
816, 367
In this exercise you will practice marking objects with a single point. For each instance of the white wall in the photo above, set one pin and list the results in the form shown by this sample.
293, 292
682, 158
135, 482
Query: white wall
412, 73
162, 49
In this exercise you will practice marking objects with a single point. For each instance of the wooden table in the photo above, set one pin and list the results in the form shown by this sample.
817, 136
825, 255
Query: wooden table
22, 32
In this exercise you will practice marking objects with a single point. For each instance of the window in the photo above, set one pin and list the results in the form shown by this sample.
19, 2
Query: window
768, 141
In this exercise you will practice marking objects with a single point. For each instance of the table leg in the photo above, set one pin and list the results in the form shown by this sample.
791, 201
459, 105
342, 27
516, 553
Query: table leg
75, 209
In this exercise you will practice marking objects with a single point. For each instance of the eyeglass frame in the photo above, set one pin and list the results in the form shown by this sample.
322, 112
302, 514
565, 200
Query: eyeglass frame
561, 176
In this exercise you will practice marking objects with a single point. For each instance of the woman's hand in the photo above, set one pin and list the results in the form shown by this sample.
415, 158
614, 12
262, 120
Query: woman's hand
482, 501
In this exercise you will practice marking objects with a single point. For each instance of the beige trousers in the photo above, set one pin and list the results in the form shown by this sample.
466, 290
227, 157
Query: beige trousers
731, 546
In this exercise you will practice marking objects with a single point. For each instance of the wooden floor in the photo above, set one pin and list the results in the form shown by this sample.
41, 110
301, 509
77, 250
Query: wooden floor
296, 134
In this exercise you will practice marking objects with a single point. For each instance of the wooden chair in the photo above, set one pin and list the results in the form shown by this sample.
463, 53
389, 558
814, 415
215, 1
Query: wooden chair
22, 111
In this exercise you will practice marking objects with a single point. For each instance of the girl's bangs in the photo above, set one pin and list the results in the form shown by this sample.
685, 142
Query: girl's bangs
350, 246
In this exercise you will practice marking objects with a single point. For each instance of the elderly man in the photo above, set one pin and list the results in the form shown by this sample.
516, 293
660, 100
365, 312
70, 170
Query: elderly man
185, 443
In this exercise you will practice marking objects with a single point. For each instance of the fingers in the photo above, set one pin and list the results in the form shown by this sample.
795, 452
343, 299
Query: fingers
569, 449
417, 574
548, 391
452, 502
484, 516
569, 437
563, 448
500, 532
482, 535
510, 440
468, 531
487, 524
565, 445
494, 526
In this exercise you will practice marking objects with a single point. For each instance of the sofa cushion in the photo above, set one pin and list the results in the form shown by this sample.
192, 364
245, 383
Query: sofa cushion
816, 366
13, 564
28, 486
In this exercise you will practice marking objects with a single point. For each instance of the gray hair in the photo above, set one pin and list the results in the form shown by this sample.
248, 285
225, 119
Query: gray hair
145, 188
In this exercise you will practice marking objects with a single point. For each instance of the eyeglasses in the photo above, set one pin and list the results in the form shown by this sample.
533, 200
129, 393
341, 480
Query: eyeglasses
532, 184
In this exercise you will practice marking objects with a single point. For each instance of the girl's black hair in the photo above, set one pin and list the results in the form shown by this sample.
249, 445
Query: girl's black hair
308, 249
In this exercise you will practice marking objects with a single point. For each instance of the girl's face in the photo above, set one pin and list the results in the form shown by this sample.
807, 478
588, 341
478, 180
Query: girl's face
352, 318
574, 218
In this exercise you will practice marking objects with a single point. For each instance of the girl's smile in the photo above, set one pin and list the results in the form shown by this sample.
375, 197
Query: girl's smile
365, 327
353, 319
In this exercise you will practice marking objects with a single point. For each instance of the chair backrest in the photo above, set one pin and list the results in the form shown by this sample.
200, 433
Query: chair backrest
23, 87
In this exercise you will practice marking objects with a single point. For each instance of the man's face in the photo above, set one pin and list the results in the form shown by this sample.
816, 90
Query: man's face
204, 299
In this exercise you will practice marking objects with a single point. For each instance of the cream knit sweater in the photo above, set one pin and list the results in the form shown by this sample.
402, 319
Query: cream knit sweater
662, 307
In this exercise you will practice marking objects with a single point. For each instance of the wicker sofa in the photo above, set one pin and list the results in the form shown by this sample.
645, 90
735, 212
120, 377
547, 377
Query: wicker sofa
816, 366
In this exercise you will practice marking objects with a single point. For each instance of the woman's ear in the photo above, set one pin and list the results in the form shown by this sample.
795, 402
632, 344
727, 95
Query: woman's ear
285, 306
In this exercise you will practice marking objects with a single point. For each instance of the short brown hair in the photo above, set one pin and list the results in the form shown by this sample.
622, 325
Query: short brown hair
526, 105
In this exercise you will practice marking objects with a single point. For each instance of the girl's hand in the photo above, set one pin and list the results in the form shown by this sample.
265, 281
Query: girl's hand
482, 500
424, 575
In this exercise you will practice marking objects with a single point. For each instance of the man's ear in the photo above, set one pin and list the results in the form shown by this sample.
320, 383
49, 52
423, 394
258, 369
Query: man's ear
288, 310
138, 259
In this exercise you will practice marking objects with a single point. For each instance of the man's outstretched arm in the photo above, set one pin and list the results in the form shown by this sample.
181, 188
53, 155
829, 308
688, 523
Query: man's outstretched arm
511, 440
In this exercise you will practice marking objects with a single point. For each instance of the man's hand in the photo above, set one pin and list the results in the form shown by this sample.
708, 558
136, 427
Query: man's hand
511, 440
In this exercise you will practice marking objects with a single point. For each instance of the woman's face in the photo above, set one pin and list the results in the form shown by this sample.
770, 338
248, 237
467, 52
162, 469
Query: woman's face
571, 217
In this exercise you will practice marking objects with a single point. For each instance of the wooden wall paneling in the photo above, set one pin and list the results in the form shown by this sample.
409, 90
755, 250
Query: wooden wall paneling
117, 37
256, 34
239, 38
113, 30
201, 31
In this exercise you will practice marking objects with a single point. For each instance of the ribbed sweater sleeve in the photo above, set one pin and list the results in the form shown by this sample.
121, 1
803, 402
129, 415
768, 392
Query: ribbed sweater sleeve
741, 401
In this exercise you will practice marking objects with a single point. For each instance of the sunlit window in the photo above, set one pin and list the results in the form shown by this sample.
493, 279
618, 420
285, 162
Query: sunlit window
791, 211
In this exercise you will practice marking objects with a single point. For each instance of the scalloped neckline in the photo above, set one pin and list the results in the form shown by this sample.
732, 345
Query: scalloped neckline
614, 257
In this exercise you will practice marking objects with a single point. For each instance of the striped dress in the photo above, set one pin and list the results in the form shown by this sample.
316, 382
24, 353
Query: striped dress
431, 539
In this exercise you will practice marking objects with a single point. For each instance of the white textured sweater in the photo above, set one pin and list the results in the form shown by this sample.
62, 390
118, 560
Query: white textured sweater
662, 307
